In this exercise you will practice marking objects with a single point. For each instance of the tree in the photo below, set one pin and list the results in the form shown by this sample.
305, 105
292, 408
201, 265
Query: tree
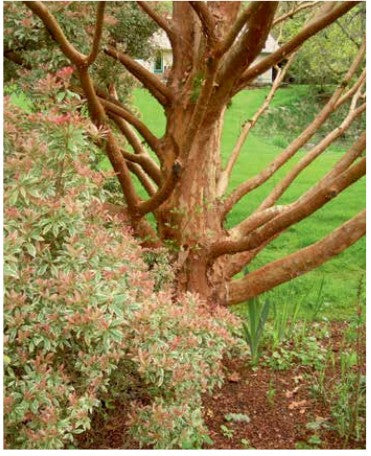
215, 45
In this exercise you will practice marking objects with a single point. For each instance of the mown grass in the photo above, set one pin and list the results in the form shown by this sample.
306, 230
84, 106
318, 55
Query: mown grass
342, 274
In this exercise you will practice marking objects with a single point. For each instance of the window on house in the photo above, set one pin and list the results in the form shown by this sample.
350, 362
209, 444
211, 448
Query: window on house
159, 64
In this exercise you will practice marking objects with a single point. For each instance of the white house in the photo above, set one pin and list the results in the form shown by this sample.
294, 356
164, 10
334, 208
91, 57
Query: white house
163, 57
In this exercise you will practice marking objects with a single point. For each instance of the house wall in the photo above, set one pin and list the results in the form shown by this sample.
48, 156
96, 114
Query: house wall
265, 78
167, 59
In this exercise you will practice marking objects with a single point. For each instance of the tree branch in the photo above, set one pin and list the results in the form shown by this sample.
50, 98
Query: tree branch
352, 90
129, 134
225, 175
56, 32
247, 47
118, 162
293, 12
163, 193
298, 142
256, 220
142, 177
97, 34
151, 139
307, 32
146, 163
298, 263
282, 186
324, 191
160, 21
235, 30
160, 91
207, 22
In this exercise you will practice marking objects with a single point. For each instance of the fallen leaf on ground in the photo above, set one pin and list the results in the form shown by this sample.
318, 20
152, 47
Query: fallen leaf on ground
290, 394
298, 404
235, 377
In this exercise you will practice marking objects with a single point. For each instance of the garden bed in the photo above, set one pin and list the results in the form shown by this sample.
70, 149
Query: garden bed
261, 408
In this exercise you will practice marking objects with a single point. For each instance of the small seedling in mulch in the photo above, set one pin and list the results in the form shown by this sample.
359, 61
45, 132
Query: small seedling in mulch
237, 417
271, 394
314, 442
227, 432
318, 424
246, 444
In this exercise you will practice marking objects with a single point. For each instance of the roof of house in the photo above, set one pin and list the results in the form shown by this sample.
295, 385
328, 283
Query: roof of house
271, 45
159, 40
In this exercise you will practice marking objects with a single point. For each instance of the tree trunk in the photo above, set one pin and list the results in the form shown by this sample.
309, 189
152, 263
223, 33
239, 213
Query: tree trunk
190, 218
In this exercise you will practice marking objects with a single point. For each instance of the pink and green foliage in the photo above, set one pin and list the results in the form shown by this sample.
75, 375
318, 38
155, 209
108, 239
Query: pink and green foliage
82, 308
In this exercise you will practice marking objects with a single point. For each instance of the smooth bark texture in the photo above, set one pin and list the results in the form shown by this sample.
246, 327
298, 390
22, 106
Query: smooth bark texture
215, 45
298, 263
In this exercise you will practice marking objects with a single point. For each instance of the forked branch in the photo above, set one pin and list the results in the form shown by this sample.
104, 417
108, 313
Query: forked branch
295, 10
298, 142
320, 194
56, 32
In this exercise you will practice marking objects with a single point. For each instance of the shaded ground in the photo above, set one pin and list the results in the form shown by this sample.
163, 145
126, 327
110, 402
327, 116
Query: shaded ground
278, 404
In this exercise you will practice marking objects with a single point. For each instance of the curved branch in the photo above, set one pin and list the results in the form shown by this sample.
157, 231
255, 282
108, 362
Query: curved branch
163, 193
160, 91
146, 163
293, 12
97, 34
256, 220
142, 177
298, 263
129, 134
149, 137
56, 32
160, 21
315, 198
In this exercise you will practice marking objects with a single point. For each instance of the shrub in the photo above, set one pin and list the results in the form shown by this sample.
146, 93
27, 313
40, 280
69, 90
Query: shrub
82, 306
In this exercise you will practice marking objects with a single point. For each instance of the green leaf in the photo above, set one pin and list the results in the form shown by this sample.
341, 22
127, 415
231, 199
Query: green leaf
31, 250
116, 334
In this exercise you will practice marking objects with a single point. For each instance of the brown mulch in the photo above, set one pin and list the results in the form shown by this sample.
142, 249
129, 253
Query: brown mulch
277, 421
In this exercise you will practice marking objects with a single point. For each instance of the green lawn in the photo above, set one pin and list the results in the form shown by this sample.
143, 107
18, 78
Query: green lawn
342, 274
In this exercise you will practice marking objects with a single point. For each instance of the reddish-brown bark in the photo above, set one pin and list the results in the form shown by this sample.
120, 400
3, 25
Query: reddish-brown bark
214, 48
